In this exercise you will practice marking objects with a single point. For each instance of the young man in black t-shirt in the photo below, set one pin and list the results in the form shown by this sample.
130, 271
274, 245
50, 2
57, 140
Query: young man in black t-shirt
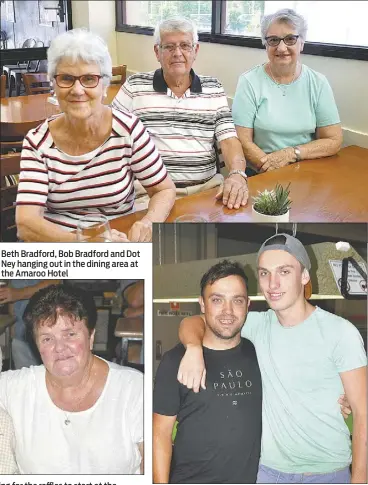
219, 429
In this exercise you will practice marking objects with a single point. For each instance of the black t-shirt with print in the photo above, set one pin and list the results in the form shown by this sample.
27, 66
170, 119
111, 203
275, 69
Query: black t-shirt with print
218, 437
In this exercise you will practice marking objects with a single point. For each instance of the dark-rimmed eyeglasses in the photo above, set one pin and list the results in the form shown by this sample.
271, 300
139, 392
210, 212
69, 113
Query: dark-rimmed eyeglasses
183, 46
86, 80
274, 41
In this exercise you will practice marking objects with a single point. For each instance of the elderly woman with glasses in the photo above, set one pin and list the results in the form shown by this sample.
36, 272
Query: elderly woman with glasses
86, 159
285, 112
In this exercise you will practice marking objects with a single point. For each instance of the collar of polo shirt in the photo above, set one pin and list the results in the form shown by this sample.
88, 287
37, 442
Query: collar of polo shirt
160, 86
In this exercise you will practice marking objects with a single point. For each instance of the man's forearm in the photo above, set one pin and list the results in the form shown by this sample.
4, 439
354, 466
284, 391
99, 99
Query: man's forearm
191, 331
233, 154
162, 451
359, 445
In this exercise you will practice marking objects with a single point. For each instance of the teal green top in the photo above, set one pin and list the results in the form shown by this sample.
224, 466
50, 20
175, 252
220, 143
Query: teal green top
303, 430
282, 121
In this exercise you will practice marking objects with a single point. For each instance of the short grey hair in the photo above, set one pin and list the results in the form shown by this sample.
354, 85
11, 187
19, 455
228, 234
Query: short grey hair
80, 45
286, 15
175, 24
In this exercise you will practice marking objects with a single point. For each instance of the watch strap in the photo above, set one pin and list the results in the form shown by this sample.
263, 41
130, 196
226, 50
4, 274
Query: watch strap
297, 154
238, 172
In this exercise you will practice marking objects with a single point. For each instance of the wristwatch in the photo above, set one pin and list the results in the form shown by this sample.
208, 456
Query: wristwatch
297, 154
239, 172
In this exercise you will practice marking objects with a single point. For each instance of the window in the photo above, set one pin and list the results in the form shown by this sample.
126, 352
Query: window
335, 28
148, 13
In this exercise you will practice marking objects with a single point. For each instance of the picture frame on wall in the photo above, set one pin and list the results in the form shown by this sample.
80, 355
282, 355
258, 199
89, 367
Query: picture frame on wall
47, 10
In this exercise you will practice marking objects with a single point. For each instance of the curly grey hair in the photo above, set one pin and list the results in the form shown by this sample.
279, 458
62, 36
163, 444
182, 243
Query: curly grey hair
80, 45
286, 15
175, 24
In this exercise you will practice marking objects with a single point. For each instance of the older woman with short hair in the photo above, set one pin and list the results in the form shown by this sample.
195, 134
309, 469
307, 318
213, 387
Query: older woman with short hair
76, 413
85, 160
284, 111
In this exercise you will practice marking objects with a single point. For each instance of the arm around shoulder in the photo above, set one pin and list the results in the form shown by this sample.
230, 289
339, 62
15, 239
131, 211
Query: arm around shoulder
192, 371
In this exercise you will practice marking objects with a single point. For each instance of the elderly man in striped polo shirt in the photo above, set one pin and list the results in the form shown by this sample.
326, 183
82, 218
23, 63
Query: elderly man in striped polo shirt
186, 114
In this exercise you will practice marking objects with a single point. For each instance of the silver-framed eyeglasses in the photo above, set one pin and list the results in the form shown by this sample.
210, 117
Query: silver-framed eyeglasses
274, 41
86, 80
183, 46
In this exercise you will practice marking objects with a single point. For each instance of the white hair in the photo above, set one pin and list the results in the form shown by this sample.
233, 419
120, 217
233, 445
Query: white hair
286, 15
80, 45
175, 24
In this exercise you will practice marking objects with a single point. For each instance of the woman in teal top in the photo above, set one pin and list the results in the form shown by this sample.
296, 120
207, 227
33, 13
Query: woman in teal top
284, 111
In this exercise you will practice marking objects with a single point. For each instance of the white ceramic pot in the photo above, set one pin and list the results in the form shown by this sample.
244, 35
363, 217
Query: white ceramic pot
258, 217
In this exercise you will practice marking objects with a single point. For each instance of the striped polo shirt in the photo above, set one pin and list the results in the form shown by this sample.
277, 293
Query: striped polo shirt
184, 129
69, 186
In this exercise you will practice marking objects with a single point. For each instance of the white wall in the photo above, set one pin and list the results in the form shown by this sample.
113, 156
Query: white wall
348, 78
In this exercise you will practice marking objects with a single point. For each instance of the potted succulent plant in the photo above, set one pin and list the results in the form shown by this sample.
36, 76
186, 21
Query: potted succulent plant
272, 205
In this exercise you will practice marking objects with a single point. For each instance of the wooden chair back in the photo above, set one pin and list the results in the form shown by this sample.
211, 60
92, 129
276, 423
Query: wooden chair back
36, 83
9, 170
2, 86
119, 71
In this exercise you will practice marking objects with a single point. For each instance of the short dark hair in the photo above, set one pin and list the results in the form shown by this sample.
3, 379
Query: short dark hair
49, 303
221, 270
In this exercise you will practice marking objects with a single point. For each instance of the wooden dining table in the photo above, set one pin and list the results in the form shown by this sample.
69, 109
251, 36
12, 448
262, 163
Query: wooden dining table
19, 114
332, 189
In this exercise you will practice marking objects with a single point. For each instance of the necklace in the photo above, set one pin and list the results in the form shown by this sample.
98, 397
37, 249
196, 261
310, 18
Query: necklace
75, 406
282, 87
77, 402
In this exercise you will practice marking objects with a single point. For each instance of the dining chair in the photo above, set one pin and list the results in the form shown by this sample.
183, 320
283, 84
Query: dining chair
27, 44
36, 83
128, 329
119, 71
14, 73
2, 86
9, 170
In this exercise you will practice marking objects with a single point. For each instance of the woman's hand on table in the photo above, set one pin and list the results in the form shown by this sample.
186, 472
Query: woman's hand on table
278, 159
141, 231
117, 236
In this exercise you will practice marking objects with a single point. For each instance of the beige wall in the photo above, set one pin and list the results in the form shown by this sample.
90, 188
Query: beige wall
348, 78
99, 17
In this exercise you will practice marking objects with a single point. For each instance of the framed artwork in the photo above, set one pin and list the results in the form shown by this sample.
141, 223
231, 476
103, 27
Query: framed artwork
48, 12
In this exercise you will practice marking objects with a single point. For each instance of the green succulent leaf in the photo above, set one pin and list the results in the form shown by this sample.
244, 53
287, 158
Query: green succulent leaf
273, 202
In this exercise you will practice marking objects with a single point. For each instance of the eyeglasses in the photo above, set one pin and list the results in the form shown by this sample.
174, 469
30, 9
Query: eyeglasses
183, 46
86, 80
274, 41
